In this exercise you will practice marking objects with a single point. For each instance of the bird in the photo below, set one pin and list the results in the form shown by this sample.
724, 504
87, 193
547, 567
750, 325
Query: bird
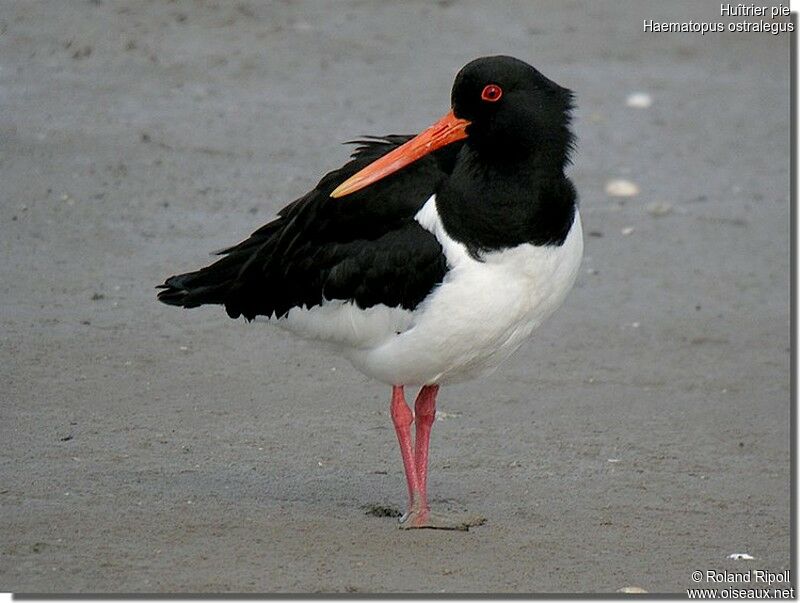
426, 259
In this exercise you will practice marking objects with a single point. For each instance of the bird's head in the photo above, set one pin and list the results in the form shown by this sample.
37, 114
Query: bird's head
503, 107
511, 109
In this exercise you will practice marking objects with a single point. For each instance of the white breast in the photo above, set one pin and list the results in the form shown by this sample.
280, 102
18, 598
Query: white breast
479, 315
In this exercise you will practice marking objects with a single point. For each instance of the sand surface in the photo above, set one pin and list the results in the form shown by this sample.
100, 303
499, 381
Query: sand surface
642, 433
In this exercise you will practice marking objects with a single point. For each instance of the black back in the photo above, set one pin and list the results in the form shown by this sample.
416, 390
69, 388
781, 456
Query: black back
365, 247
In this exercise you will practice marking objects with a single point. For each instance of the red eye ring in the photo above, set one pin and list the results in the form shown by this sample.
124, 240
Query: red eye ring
492, 93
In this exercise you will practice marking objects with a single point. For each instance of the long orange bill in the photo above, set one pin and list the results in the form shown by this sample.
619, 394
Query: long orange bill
448, 129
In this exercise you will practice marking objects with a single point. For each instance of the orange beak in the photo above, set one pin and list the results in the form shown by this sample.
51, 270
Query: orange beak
448, 129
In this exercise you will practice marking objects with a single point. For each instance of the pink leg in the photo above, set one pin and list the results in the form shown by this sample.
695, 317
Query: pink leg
402, 419
425, 413
415, 462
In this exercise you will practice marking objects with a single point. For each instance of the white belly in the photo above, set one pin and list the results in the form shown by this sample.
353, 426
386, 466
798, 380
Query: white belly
480, 314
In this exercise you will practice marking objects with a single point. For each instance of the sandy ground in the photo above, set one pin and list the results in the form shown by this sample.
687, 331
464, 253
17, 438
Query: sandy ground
642, 434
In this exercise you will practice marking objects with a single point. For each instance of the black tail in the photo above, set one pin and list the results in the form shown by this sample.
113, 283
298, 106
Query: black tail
217, 283
209, 285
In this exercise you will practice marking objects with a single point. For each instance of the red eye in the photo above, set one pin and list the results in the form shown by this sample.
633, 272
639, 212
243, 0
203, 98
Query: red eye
492, 93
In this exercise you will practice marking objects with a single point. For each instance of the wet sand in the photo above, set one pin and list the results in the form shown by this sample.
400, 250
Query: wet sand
640, 435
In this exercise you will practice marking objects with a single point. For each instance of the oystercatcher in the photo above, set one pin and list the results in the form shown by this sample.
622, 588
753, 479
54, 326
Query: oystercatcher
426, 259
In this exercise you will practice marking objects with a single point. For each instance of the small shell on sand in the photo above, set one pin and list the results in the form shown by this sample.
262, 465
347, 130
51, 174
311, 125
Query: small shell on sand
639, 100
621, 188
631, 590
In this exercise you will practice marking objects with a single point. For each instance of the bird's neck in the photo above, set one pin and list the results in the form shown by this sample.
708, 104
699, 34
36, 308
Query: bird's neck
494, 205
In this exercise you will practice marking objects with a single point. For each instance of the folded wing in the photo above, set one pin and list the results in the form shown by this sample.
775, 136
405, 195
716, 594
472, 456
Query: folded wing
365, 247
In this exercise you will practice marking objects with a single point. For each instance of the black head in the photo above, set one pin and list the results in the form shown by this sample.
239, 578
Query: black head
509, 116
514, 110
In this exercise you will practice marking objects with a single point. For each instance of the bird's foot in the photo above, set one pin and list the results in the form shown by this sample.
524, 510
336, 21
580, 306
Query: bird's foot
439, 520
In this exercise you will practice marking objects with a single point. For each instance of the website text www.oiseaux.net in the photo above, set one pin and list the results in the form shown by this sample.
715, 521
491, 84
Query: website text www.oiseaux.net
740, 593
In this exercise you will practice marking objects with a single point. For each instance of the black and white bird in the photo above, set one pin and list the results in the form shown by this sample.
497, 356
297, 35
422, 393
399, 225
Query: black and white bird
425, 260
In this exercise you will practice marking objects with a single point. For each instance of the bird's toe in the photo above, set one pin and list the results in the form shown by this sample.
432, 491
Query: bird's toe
439, 520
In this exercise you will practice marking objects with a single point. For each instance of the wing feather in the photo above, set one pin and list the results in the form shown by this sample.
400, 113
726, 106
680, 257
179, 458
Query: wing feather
366, 247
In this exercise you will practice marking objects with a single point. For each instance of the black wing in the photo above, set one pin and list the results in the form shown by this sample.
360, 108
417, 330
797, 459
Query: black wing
365, 247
